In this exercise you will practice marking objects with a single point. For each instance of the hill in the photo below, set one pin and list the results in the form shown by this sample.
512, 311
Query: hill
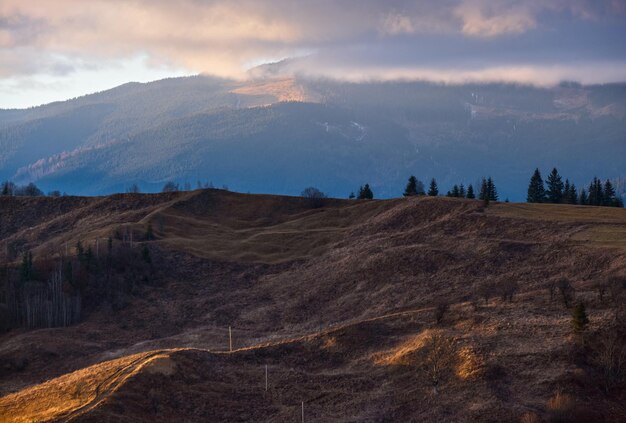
339, 302
283, 134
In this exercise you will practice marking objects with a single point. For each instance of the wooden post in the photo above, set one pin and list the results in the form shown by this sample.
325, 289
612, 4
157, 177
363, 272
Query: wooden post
230, 339
266, 378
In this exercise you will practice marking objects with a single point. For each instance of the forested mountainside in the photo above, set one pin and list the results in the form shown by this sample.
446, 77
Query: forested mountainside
281, 135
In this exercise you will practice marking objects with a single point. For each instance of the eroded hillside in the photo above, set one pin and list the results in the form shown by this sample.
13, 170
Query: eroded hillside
340, 302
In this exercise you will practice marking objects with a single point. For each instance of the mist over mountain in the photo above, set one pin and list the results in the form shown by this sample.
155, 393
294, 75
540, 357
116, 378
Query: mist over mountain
278, 135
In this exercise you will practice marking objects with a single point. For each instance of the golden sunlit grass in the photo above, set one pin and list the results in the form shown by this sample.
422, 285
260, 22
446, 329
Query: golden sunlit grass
282, 90
58, 397
404, 353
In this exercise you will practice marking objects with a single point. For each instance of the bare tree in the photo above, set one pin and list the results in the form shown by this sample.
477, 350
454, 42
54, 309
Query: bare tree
507, 289
170, 187
617, 291
314, 196
133, 189
567, 291
610, 356
486, 290
437, 359
440, 310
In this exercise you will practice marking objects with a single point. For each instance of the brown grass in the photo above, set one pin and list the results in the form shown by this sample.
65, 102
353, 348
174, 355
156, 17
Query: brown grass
337, 301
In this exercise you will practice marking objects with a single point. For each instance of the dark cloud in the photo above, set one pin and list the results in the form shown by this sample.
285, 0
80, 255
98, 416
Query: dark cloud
500, 39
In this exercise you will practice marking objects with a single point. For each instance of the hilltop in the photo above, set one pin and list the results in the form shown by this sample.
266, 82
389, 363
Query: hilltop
338, 301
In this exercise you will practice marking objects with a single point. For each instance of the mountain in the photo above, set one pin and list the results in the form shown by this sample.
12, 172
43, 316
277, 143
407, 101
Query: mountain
278, 135
340, 302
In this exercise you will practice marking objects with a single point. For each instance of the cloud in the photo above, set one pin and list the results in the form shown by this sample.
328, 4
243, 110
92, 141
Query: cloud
223, 37
488, 20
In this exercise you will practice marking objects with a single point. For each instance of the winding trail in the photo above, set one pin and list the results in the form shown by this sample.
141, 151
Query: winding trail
113, 382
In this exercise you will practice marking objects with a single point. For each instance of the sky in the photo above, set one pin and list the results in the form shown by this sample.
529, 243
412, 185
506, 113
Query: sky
58, 49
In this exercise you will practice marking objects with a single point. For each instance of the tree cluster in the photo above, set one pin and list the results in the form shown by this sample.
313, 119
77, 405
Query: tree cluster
10, 189
558, 192
459, 191
53, 290
365, 193
488, 191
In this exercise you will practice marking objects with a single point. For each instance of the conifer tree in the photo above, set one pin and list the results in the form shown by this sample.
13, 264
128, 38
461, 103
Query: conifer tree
365, 193
571, 194
596, 193
411, 187
420, 188
555, 187
484, 191
536, 191
582, 198
608, 198
491, 190
579, 318
470, 192
351, 196
462, 192
455, 191
433, 190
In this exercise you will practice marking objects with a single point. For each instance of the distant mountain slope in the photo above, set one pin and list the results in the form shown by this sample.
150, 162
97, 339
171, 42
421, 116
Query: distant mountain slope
336, 136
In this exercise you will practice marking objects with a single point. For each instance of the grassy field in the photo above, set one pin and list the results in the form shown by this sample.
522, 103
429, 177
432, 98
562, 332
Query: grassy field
339, 302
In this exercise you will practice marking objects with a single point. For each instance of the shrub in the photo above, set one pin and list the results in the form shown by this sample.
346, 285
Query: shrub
440, 310
579, 318
314, 196
567, 291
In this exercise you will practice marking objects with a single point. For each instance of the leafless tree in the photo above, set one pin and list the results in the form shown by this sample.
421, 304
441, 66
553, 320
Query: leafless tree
617, 293
507, 289
440, 310
567, 291
610, 356
437, 359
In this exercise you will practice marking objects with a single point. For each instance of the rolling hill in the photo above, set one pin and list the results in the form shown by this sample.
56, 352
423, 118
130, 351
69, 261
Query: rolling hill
339, 302
280, 135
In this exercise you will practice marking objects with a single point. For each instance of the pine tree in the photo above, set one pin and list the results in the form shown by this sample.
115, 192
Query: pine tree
564, 198
26, 268
420, 188
536, 191
149, 232
470, 192
365, 193
462, 192
455, 191
609, 198
579, 318
582, 198
411, 187
433, 191
484, 191
571, 194
555, 187
351, 196
491, 190
596, 193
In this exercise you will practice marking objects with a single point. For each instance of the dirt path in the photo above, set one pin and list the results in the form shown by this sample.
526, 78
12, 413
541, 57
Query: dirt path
107, 387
